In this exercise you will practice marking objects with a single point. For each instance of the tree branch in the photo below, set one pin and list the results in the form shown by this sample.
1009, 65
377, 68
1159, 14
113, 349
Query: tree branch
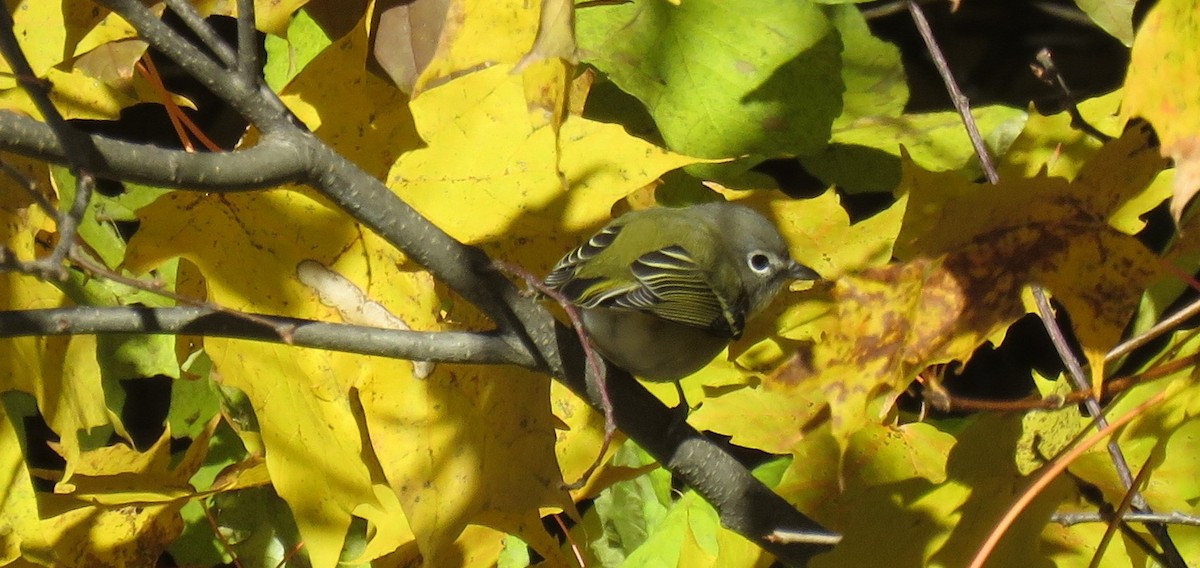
195, 22
1174, 518
274, 161
441, 346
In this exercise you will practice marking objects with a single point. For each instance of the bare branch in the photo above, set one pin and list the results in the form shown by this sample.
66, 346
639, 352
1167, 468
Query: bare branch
1169, 323
442, 346
195, 22
247, 55
961, 104
274, 161
1173, 518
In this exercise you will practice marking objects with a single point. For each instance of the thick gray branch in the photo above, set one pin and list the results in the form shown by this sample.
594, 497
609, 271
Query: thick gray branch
445, 346
274, 161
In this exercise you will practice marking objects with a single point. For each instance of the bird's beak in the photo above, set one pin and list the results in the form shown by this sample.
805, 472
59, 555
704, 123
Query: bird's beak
798, 271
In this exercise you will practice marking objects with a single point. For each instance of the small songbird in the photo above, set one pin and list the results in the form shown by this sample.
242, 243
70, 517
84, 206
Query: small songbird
662, 291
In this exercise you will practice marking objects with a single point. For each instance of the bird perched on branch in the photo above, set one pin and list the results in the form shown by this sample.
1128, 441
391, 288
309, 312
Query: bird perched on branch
662, 291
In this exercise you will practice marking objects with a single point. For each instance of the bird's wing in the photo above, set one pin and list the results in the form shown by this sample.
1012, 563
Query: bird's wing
672, 286
666, 282
588, 292
564, 271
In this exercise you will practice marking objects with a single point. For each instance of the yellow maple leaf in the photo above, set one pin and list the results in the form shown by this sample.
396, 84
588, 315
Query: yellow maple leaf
60, 372
1161, 85
362, 115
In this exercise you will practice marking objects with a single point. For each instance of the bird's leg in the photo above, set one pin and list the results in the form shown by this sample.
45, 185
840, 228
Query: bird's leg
680, 413
683, 403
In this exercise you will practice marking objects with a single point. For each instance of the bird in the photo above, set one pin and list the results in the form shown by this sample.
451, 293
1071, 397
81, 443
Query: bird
662, 291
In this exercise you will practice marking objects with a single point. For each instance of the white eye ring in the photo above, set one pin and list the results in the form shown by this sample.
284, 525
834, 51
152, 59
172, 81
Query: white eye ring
759, 262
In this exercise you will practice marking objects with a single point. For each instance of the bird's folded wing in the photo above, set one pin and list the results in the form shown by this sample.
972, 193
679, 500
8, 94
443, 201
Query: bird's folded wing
667, 283
675, 288
564, 272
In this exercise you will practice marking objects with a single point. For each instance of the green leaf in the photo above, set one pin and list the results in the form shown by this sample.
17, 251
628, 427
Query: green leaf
193, 402
124, 206
515, 553
286, 58
723, 79
871, 69
259, 526
864, 154
101, 237
662, 546
1113, 16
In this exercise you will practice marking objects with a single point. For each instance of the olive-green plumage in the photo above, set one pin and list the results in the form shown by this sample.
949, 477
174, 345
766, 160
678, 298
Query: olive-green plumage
664, 290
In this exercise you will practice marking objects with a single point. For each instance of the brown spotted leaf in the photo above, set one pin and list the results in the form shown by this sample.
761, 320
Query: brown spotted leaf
889, 324
969, 254
997, 241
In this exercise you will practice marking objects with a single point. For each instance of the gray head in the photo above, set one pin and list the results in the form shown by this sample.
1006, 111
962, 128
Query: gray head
763, 261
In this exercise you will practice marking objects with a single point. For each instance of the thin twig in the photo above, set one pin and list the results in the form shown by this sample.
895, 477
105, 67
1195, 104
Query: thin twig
195, 22
1048, 72
797, 537
570, 540
145, 67
1051, 472
1167, 324
247, 48
961, 103
182, 123
293, 551
1116, 522
1173, 518
1065, 353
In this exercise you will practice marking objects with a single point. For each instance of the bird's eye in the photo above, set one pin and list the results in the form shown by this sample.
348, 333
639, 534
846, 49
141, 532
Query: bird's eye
759, 262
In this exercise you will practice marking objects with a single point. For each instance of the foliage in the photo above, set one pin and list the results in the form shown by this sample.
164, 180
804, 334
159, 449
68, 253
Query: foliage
271, 452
